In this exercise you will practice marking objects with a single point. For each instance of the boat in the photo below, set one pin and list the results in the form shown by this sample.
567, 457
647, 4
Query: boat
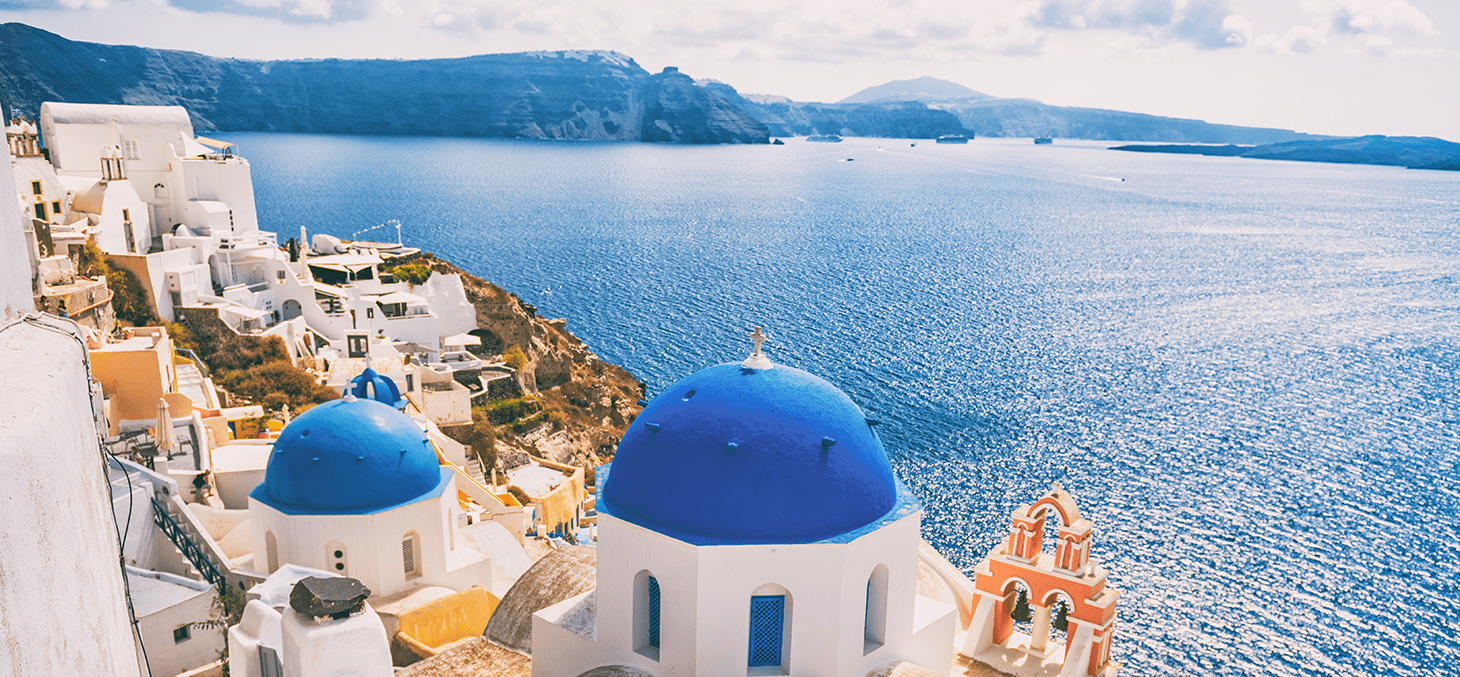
953, 138
825, 138
777, 142
1043, 141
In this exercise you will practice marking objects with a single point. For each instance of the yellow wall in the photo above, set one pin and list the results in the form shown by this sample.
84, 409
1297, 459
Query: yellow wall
134, 379
458, 616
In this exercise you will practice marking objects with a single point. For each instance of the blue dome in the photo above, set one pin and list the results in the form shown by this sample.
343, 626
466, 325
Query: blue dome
730, 455
372, 386
349, 456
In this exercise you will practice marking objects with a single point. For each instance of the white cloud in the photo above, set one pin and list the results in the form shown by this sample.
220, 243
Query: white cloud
1206, 24
1370, 17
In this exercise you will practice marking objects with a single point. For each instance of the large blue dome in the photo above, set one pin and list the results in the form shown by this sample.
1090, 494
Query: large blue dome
731, 455
349, 456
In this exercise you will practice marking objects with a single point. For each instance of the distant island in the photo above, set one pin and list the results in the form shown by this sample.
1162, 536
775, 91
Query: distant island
1397, 151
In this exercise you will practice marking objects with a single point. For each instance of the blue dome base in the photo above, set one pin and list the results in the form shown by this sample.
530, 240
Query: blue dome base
906, 504
448, 479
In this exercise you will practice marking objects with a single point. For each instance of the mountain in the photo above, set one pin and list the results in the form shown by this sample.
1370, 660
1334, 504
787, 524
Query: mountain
921, 89
1397, 151
896, 120
556, 95
985, 115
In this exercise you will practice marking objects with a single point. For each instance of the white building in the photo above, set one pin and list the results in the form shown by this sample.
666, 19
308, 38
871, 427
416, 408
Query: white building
750, 525
354, 487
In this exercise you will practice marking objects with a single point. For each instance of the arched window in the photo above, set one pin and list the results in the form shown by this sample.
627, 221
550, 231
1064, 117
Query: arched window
271, 549
410, 554
334, 556
875, 627
770, 631
647, 606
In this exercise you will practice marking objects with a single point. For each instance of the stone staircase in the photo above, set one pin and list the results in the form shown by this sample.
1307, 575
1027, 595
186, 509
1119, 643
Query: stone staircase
190, 383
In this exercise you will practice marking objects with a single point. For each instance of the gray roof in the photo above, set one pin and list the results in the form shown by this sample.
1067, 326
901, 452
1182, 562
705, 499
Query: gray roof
616, 671
568, 571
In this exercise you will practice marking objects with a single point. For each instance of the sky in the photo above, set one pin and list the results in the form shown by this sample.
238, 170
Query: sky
1341, 67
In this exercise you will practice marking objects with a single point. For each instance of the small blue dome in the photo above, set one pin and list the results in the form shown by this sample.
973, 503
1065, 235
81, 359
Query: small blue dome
731, 455
372, 386
349, 456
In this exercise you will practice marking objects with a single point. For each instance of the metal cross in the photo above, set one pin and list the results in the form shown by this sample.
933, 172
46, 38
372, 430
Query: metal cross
759, 338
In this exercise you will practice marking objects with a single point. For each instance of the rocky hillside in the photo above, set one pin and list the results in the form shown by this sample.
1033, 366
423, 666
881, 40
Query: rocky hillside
554, 95
595, 400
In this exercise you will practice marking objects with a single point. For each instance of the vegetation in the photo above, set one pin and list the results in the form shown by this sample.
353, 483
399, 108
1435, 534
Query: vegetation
484, 442
504, 412
518, 494
414, 273
129, 299
275, 384
514, 358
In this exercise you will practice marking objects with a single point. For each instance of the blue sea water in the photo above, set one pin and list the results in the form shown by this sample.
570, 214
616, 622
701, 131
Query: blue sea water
1245, 371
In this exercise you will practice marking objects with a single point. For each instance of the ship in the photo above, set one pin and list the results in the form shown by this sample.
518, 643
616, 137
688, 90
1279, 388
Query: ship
953, 138
1043, 141
825, 138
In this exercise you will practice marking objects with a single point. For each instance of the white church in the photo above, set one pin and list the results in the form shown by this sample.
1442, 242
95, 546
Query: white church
750, 524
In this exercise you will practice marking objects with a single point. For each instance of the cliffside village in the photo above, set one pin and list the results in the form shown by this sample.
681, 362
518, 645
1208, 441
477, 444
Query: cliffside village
428, 494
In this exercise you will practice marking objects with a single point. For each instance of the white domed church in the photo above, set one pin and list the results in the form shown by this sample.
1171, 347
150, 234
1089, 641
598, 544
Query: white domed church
750, 524
354, 487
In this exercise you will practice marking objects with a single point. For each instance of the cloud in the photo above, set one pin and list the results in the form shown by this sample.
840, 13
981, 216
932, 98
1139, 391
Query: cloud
1206, 24
1369, 17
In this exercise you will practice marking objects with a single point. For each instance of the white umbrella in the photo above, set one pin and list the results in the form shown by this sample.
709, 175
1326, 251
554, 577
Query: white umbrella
166, 437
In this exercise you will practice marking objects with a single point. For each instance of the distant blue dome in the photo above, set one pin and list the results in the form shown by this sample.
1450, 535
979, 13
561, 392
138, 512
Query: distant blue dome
372, 386
737, 456
349, 456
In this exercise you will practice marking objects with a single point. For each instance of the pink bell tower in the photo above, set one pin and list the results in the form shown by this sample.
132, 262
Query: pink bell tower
1066, 576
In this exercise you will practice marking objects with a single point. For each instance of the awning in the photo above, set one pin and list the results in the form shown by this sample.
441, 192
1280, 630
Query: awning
245, 313
462, 340
401, 297
213, 143
346, 262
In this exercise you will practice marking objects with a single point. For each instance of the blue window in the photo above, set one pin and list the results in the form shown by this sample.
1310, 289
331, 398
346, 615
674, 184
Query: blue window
767, 622
653, 612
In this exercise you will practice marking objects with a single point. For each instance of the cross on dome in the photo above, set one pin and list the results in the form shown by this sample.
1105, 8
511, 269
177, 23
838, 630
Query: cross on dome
757, 359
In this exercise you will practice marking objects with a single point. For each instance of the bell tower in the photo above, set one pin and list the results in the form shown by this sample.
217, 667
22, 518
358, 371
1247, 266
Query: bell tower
1020, 581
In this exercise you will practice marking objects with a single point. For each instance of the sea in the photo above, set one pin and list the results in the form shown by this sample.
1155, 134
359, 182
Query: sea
1245, 371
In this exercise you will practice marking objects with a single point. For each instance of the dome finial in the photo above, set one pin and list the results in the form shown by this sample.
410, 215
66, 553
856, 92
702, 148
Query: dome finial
757, 359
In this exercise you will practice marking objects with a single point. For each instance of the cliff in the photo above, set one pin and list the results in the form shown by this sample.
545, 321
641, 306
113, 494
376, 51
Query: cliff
552, 95
896, 119
1396, 151
595, 400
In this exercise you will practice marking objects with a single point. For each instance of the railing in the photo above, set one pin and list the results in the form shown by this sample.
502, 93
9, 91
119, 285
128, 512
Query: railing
188, 352
185, 544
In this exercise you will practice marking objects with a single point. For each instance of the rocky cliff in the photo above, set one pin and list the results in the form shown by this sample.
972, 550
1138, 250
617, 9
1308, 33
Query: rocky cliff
595, 400
894, 119
553, 95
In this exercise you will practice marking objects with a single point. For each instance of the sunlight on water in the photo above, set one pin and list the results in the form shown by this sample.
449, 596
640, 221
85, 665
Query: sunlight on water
1244, 370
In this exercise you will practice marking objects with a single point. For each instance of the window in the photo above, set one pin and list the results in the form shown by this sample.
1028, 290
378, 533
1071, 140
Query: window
357, 346
131, 149
335, 555
56, 207
646, 615
40, 210
410, 383
875, 626
409, 555
182, 633
35, 187
271, 548
127, 216
767, 625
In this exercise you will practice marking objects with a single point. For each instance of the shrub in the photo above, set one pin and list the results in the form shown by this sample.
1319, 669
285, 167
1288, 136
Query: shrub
514, 358
503, 412
414, 273
518, 494
129, 299
278, 383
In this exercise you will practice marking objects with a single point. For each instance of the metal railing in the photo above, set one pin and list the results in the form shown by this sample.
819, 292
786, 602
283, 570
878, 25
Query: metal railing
186, 546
